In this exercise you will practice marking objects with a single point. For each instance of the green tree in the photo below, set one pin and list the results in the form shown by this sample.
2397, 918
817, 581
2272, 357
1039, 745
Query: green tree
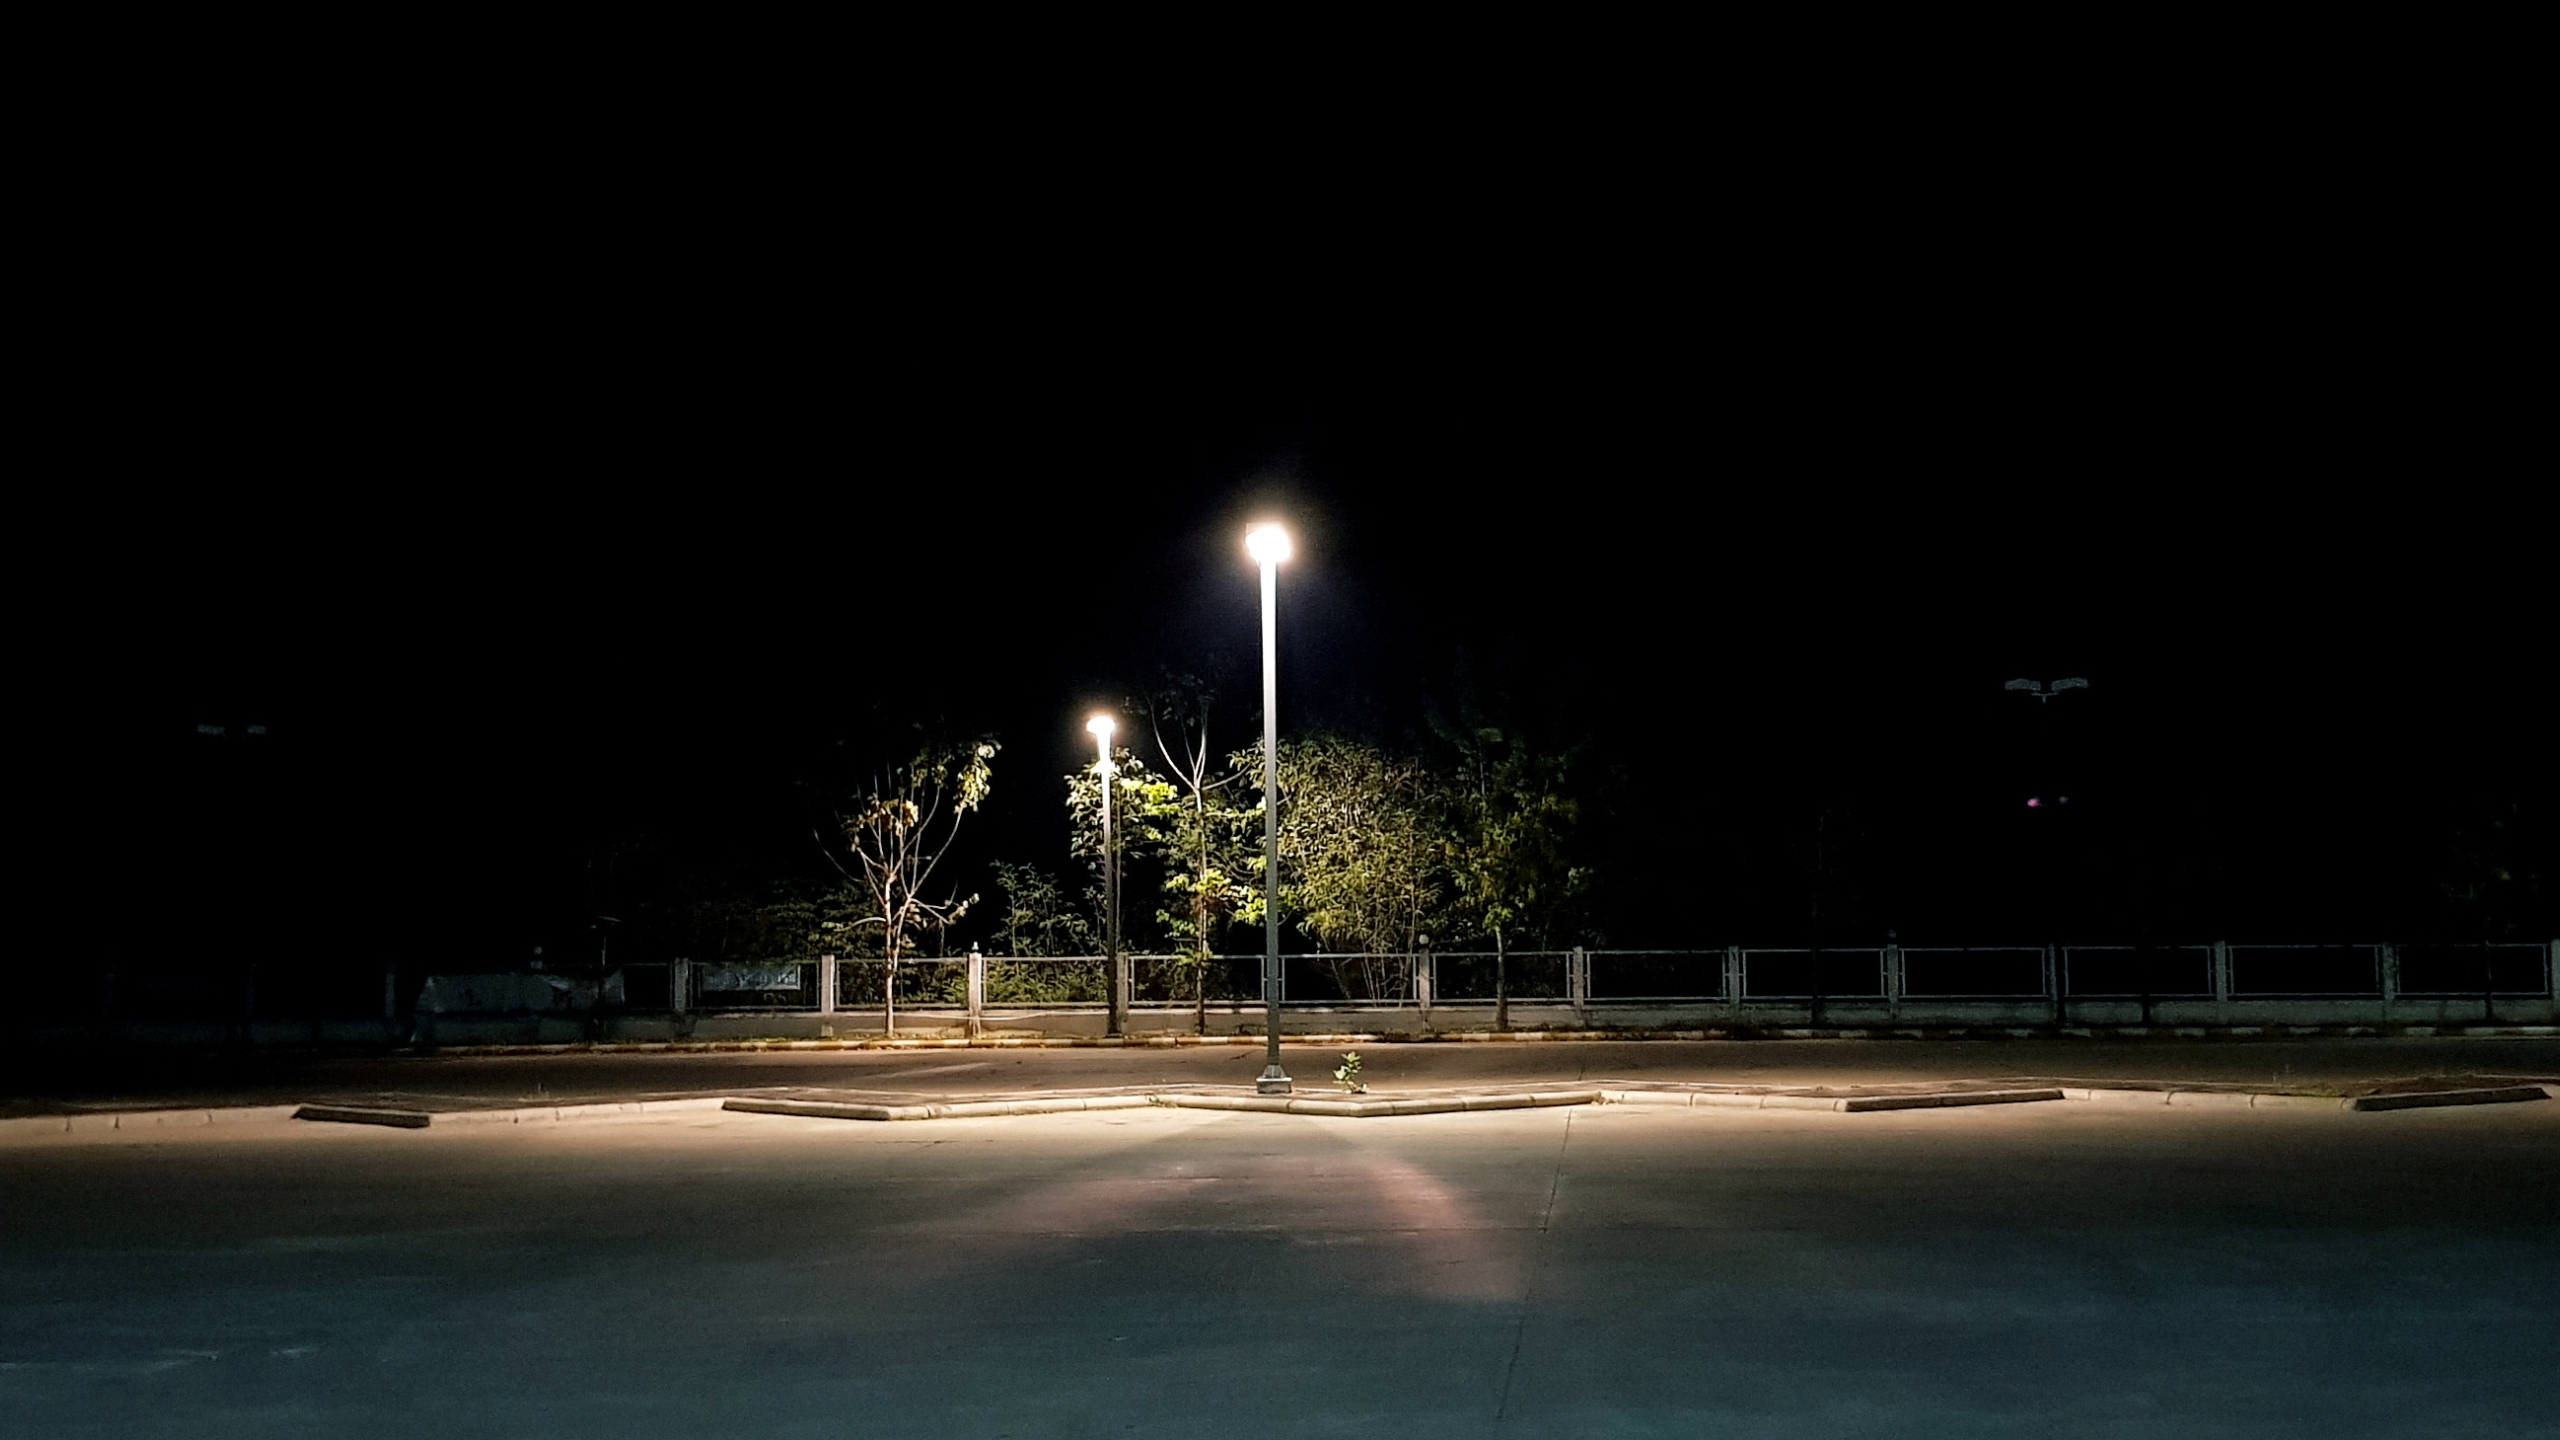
1509, 826
1036, 918
1144, 810
1362, 854
898, 833
1212, 842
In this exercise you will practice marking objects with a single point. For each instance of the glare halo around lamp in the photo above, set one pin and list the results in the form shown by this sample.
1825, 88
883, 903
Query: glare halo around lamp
1269, 545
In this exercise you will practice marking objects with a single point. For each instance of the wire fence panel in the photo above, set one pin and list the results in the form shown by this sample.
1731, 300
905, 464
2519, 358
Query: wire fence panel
1527, 975
2119, 971
2339, 970
2522, 971
1358, 979
1692, 976
1802, 974
2013, 972
1689, 975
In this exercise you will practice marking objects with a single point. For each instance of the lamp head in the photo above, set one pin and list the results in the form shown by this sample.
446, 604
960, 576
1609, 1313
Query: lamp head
1268, 544
1100, 725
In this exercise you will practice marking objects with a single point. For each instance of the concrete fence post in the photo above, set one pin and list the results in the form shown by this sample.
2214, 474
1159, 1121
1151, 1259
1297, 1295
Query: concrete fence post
977, 992
390, 997
680, 986
1735, 978
2390, 958
2221, 982
2056, 980
1893, 981
1578, 983
827, 995
1422, 978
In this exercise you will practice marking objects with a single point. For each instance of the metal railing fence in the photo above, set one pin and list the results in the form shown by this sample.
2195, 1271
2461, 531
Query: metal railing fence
1730, 976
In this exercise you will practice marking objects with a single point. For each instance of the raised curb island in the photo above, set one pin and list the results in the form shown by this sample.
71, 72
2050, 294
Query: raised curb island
142, 1123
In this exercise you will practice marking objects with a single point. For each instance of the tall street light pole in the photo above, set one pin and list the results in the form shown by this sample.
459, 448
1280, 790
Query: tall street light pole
1269, 545
1101, 727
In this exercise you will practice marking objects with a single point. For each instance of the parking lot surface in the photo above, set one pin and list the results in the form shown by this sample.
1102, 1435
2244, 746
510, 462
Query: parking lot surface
2048, 1269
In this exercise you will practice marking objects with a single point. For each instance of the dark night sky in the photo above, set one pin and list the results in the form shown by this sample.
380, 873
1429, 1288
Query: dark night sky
539, 580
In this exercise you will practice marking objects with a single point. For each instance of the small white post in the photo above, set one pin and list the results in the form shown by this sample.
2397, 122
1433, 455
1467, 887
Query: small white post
2221, 982
1733, 979
680, 986
1422, 984
2390, 979
1893, 981
827, 996
1578, 979
977, 990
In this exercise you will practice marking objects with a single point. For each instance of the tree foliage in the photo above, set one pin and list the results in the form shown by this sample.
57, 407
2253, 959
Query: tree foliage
898, 832
1035, 914
1362, 851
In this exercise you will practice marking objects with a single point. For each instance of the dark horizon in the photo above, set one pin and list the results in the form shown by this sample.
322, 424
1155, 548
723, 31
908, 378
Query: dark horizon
2297, 707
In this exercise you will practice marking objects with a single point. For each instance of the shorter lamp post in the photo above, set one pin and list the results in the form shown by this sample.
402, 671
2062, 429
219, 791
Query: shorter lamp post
1269, 545
1101, 727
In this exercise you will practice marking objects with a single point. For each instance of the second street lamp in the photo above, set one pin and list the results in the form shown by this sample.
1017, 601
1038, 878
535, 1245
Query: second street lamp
1101, 727
1269, 545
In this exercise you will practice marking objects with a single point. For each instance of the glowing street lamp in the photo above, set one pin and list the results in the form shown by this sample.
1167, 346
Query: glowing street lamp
1101, 727
1269, 545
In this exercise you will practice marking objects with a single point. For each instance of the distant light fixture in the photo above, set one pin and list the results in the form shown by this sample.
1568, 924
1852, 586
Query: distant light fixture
212, 730
2038, 689
1268, 544
2034, 804
257, 729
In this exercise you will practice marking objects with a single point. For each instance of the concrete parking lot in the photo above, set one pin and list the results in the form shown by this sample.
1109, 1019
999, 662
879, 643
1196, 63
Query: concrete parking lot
2048, 1269
450, 1081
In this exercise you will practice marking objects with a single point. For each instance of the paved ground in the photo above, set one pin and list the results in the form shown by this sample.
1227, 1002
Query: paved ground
2031, 1270
442, 1082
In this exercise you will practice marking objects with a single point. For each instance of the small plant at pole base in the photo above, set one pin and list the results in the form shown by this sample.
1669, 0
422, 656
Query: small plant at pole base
1347, 1074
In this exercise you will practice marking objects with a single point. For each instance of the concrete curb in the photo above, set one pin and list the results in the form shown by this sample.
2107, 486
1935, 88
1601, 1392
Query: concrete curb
539, 1114
1268, 1104
2204, 1099
359, 1115
98, 1121
2501, 1095
1845, 1104
841, 1110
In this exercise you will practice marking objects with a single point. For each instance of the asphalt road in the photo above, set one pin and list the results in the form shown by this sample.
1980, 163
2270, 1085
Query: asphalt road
464, 1081
2032, 1270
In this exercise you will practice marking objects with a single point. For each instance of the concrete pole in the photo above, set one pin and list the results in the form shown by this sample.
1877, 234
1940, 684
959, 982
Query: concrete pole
977, 991
827, 996
1274, 1080
1118, 1023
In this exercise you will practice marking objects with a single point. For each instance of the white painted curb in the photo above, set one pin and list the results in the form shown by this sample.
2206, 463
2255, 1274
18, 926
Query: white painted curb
101, 1122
